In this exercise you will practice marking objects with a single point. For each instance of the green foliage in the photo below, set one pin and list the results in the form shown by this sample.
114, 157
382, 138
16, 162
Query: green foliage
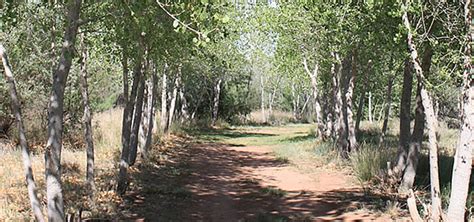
370, 161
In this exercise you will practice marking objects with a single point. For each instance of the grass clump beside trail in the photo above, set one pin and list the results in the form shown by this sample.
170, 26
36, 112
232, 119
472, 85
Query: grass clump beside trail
369, 161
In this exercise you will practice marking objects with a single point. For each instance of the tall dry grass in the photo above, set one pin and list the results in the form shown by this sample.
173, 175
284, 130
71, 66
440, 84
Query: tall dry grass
14, 203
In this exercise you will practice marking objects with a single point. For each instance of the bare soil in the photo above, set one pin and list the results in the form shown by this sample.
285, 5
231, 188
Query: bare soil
215, 181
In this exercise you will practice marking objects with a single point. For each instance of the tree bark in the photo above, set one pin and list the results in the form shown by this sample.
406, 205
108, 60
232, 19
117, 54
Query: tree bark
87, 118
125, 75
371, 119
317, 106
164, 115
405, 104
126, 130
262, 98
360, 108
16, 110
215, 106
417, 136
174, 97
137, 120
54, 194
152, 90
388, 104
339, 125
431, 121
463, 156
184, 102
351, 133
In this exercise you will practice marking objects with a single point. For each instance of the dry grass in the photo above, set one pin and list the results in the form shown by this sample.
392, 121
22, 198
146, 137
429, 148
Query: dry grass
14, 203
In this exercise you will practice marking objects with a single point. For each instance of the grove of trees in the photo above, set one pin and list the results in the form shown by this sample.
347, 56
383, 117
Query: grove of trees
187, 62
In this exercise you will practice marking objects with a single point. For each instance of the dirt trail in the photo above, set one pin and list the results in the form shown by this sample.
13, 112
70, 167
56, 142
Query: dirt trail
237, 182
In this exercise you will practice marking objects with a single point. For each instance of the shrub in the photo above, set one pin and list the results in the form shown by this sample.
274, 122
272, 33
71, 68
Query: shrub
369, 161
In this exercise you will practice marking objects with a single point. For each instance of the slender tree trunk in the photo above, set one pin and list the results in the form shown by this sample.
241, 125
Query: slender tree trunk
317, 106
371, 119
262, 99
405, 104
164, 114
463, 156
16, 110
184, 103
174, 97
360, 108
125, 75
87, 118
351, 133
432, 124
215, 106
152, 90
388, 104
54, 194
340, 126
136, 120
126, 130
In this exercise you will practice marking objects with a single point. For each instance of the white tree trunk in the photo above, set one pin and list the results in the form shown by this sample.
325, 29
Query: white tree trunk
215, 105
54, 193
262, 99
173, 100
164, 115
152, 92
371, 119
463, 156
87, 118
432, 124
317, 106
16, 109
339, 125
360, 108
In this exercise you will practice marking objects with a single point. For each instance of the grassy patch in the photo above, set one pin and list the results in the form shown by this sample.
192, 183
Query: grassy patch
273, 192
369, 161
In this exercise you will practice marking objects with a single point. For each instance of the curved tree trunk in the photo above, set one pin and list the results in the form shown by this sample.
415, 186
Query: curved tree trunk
463, 156
432, 125
87, 118
16, 110
54, 193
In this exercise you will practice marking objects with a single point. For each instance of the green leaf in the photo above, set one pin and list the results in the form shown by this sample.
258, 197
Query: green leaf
225, 19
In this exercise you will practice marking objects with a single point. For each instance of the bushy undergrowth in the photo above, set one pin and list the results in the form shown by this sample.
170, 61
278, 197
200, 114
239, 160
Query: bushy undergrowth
369, 161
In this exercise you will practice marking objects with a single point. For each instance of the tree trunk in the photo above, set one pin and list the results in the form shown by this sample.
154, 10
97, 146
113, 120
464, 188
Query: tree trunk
152, 92
409, 173
262, 99
125, 75
360, 108
432, 124
463, 156
184, 103
388, 104
317, 106
164, 115
54, 194
137, 120
215, 106
87, 118
126, 130
174, 97
351, 133
405, 104
16, 110
371, 119
340, 126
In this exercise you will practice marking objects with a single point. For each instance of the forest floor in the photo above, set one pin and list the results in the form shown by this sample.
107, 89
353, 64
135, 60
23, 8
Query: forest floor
247, 174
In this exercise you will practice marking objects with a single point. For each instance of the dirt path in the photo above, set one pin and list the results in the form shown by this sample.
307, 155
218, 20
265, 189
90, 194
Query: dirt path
233, 180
